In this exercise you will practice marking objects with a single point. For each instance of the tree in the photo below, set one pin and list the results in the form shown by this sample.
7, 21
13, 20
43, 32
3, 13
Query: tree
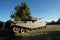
58, 20
1, 24
21, 12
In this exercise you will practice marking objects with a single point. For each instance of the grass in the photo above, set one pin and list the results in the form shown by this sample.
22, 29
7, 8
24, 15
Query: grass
38, 34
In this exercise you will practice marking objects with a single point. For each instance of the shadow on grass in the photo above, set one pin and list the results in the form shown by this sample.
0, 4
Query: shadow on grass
55, 35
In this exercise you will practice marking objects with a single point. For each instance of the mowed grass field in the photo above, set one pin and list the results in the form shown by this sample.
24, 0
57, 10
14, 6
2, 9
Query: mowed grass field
51, 32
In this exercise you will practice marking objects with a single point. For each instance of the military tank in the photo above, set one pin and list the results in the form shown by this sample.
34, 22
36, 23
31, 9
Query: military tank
27, 25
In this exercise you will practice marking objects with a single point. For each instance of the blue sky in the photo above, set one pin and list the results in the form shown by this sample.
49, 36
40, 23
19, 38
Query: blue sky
48, 10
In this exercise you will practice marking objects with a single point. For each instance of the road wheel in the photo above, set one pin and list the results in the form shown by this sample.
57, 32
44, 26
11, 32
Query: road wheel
16, 29
22, 30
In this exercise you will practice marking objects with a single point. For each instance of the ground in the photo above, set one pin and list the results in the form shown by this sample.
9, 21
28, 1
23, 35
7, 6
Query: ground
51, 32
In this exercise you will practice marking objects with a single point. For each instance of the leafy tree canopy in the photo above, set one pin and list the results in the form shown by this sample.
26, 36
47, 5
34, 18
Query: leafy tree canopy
21, 12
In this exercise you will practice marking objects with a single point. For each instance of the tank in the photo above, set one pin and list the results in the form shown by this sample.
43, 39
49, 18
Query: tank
27, 25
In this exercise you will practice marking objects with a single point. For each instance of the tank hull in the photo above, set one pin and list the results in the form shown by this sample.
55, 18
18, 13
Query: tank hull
21, 27
31, 25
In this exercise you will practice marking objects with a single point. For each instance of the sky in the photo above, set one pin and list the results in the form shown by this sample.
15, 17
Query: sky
47, 10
